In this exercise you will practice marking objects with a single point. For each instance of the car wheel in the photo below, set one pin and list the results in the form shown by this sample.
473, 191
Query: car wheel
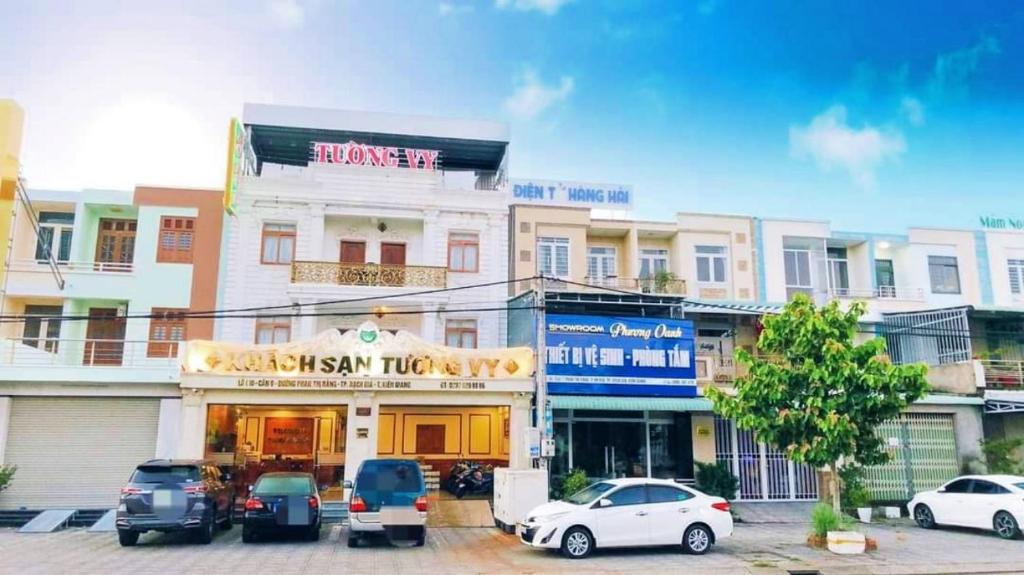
1005, 525
697, 540
314, 533
353, 540
204, 535
228, 520
924, 517
248, 535
127, 538
577, 543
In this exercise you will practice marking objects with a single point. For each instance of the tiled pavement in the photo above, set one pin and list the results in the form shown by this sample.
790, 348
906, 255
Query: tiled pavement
769, 548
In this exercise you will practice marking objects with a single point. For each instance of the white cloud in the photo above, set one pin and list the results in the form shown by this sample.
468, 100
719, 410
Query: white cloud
548, 7
287, 13
913, 110
532, 97
953, 70
450, 9
833, 143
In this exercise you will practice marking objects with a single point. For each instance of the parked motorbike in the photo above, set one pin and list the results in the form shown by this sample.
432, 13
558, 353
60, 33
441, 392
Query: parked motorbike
478, 481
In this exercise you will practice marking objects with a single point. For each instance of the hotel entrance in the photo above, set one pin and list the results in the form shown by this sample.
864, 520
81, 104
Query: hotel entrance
251, 440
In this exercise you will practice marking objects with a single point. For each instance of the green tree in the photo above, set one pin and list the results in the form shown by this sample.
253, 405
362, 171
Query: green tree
816, 393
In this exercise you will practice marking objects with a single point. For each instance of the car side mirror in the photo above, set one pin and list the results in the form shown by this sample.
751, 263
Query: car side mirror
347, 484
941, 490
605, 503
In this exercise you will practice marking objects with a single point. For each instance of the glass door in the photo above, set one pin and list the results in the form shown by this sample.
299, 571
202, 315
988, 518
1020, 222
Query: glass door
610, 449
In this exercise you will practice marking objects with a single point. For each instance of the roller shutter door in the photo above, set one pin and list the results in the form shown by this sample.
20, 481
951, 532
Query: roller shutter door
76, 453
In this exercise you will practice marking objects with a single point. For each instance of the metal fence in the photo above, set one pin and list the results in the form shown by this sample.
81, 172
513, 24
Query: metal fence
922, 456
933, 337
764, 472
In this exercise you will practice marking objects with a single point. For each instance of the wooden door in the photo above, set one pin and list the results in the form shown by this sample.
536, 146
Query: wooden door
115, 244
353, 252
392, 254
104, 336
429, 439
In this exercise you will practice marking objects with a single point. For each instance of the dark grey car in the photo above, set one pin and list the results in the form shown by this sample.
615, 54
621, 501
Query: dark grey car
174, 495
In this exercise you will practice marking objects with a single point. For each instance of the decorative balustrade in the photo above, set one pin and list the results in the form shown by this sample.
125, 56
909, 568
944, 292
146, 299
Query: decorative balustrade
378, 275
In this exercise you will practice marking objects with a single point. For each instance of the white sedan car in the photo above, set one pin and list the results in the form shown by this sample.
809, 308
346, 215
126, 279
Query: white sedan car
628, 513
984, 501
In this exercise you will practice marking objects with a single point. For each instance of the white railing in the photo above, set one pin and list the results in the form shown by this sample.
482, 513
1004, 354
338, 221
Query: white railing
33, 265
1003, 374
657, 286
44, 352
881, 292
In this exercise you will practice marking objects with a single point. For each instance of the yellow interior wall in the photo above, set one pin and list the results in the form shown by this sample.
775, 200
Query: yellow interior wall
254, 433
470, 432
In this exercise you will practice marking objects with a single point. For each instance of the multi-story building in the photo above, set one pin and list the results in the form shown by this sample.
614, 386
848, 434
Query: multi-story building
89, 379
391, 227
948, 298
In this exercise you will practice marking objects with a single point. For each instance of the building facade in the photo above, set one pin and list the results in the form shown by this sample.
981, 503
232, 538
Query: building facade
89, 380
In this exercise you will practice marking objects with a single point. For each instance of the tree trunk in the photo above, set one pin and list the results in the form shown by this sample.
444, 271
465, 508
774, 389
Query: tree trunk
833, 481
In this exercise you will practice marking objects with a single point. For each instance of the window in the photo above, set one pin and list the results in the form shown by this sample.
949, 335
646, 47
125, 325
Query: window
42, 326
55, 231
944, 274
278, 244
601, 263
115, 244
653, 262
987, 488
273, 331
1016, 268
632, 495
798, 268
712, 261
666, 494
460, 333
463, 252
838, 271
959, 486
176, 240
166, 329
886, 277
553, 257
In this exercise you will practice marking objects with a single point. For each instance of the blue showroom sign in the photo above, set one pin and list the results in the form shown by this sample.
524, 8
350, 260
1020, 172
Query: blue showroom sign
600, 355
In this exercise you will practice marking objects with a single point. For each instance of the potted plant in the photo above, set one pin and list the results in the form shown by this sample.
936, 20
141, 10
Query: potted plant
6, 475
833, 531
855, 494
662, 279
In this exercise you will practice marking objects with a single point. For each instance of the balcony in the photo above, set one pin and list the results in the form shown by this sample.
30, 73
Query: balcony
373, 275
86, 279
1003, 374
653, 286
54, 360
881, 292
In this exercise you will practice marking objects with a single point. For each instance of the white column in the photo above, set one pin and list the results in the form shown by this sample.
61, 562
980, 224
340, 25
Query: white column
316, 235
357, 448
307, 325
519, 421
5, 424
428, 326
193, 425
432, 233
168, 430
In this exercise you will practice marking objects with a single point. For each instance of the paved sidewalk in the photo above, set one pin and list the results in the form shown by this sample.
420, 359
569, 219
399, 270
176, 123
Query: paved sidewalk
761, 549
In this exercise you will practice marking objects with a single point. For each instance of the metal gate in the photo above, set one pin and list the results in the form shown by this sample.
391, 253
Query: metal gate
923, 456
764, 472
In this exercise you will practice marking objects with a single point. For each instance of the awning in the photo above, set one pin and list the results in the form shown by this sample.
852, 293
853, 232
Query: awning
695, 306
942, 399
612, 402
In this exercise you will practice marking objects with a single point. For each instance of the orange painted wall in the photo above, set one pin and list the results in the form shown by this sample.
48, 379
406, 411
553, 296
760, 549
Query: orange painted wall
206, 255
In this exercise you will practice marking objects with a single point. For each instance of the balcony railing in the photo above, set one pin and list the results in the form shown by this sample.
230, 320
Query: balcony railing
44, 352
380, 275
1003, 374
32, 265
881, 292
656, 286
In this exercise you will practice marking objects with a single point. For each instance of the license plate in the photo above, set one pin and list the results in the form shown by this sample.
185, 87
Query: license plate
400, 516
162, 498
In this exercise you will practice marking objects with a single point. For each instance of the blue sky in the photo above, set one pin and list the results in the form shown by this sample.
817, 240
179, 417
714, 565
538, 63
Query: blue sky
876, 115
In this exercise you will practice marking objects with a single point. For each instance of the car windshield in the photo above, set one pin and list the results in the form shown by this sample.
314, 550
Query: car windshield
283, 486
1019, 485
590, 494
165, 474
